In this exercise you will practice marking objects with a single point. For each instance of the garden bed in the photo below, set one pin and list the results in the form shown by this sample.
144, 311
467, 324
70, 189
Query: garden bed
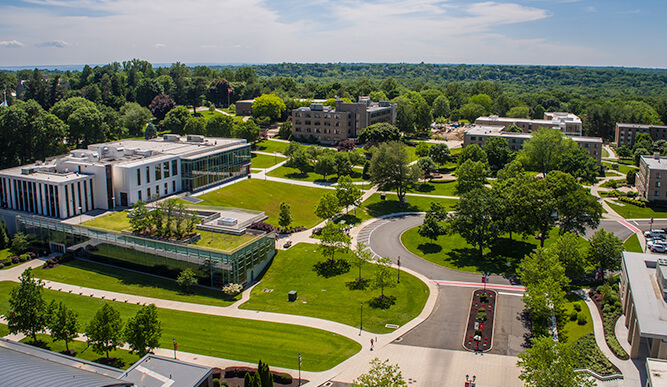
479, 331
609, 317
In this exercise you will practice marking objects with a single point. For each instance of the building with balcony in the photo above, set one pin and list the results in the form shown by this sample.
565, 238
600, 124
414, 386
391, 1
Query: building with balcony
346, 120
568, 123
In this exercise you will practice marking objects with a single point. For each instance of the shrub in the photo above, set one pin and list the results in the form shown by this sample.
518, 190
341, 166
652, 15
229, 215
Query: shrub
24, 257
482, 297
15, 259
346, 145
482, 309
262, 226
282, 378
577, 307
2, 265
591, 357
478, 332
216, 382
232, 289
573, 316
581, 320
481, 316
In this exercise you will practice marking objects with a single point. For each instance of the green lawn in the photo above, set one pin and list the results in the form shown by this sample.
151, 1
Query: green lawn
452, 251
444, 188
208, 114
622, 168
86, 353
330, 298
374, 206
605, 153
115, 221
292, 173
630, 211
221, 241
266, 196
271, 146
632, 244
265, 161
225, 337
4, 330
98, 276
573, 330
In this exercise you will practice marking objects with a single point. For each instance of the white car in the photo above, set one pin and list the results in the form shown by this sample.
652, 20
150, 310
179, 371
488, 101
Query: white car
654, 242
659, 248
655, 234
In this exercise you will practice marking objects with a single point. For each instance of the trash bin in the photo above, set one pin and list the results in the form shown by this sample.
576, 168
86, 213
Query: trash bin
383, 196
291, 296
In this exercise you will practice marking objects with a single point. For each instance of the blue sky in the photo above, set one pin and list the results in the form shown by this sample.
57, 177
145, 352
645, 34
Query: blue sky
543, 32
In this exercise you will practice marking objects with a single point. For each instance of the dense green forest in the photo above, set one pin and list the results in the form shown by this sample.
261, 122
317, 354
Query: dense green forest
57, 110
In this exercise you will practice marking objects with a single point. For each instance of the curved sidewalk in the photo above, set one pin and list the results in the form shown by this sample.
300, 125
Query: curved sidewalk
365, 355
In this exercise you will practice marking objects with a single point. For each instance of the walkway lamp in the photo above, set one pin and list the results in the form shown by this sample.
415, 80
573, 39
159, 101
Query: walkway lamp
299, 369
361, 318
399, 269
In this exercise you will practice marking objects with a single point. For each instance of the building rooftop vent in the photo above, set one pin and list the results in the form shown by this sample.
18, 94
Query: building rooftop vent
662, 261
195, 138
171, 137
656, 155
316, 107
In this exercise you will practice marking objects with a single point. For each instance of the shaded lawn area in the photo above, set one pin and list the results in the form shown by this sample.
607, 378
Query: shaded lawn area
266, 196
225, 337
444, 188
330, 298
4, 330
265, 161
221, 241
98, 276
630, 211
271, 146
452, 251
622, 168
293, 173
605, 153
573, 331
374, 206
86, 353
115, 221
632, 244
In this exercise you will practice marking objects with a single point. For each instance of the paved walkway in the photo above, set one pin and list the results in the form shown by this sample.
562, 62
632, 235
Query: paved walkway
630, 372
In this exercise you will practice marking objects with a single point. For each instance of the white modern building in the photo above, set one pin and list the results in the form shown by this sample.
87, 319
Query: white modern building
121, 173
569, 124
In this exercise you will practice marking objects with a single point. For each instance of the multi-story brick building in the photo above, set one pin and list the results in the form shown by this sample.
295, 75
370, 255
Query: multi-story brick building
568, 123
480, 134
651, 180
625, 133
345, 121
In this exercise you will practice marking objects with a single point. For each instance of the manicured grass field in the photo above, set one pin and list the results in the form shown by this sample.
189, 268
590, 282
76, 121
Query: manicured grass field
454, 252
630, 211
115, 221
208, 114
4, 330
605, 153
98, 276
573, 330
229, 338
622, 168
266, 196
86, 353
271, 146
374, 206
330, 298
292, 173
444, 188
265, 161
632, 244
220, 241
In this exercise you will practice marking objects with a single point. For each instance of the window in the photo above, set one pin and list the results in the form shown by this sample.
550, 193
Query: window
158, 172
138, 176
148, 175
658, 175
174, 167
657, 193
166, 189
148, 194
473, 138
173, 186
139, 194
165, 169
657, 184
157, 190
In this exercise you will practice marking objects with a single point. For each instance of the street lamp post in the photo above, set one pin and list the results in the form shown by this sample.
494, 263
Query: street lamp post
399, 269
299, 369
361, 318
175, 347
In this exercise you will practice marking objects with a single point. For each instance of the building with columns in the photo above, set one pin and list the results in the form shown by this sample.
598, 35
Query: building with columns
643, 290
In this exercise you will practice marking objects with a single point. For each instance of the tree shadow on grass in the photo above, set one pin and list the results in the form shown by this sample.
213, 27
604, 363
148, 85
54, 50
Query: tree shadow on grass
350, 219
382, 302
328, 269
111, 361
385, 207
358, 284
424, 188
297, 175
429, 248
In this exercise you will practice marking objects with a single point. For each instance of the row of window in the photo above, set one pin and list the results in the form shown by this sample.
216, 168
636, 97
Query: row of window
317, 115
157, 191
44, 199
317, 130
162, 170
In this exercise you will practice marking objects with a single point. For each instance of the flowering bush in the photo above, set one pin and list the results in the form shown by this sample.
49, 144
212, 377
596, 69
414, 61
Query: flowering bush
232, 289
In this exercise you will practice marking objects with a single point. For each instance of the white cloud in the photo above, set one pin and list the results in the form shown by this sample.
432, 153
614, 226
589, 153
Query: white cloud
54, 43
159, 45
11, 44
590, 9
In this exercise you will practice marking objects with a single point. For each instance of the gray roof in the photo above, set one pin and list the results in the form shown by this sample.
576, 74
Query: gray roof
25, 365
659, 163
650, 307
158, 371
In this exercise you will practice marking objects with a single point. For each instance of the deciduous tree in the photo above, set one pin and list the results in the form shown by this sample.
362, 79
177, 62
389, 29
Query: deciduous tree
63, 323
27, 309
285, 216
105, 330
549, 363
143, 331
381, 374
327, 206
347, 192
333, 239
605, 250
390, 169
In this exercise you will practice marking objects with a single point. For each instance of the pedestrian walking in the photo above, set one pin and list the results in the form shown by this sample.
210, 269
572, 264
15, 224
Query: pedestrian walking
371, 344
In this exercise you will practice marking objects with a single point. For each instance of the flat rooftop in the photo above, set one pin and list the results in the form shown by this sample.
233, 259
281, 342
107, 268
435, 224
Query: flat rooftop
657, 372
650, 307
659, 163
158, 371
488, 130
640, 126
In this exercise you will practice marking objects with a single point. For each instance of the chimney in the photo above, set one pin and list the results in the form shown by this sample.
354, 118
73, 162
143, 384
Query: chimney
656, 155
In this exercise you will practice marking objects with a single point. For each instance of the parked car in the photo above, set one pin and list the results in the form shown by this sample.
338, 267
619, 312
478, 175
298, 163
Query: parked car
655, 242
655, 234
659, 248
